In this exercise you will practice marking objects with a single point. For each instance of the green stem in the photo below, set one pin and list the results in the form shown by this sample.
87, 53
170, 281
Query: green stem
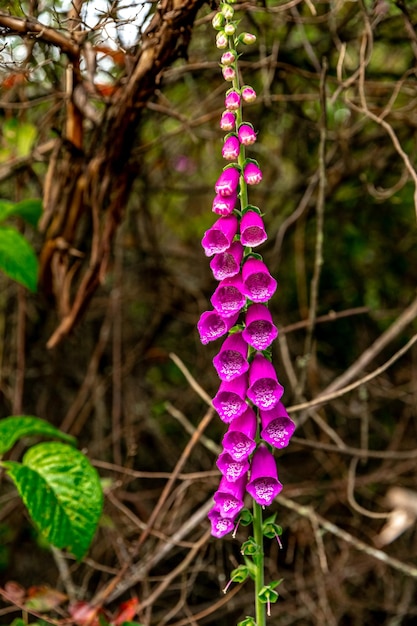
259, 563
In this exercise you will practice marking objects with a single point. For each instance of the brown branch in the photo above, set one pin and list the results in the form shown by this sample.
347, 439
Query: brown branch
29, 27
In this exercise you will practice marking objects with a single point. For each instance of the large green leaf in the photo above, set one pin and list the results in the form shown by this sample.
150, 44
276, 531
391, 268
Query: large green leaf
62, 493
17, 426
17, 258
30, 210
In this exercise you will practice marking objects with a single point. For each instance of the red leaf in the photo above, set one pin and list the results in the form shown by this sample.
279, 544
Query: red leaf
127, 611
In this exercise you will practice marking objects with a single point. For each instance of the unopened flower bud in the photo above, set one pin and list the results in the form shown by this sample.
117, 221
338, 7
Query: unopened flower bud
221, 40
228, 120
230, 29
218, 21
228, 73
247, 38
228, 11
231, 148
228, 57
246, 134
232, 100
248, 93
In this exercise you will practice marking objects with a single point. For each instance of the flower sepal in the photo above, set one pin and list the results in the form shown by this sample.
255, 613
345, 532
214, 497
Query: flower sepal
245, 517
248, 621
255, 209
250, 547
268, 595
270, 529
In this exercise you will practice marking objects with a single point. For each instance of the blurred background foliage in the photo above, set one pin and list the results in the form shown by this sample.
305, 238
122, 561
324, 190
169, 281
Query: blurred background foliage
112, 382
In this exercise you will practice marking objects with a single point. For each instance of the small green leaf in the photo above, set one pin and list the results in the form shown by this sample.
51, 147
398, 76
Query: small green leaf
62, 493
30, 210
17, 258
17, 426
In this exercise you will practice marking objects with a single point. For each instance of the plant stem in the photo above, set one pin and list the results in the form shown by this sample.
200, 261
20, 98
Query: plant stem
259, 563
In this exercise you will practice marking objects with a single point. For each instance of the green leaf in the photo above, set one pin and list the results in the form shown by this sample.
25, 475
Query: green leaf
62, 493
30, 210
17, 426
17, 258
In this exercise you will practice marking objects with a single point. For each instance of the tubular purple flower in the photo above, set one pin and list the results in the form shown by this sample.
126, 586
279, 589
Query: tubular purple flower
230, 400
228, 181
224, 205
264, 389
258, 282
229, 298
264, 485
277, 426
248, 93
246, 134
239, 441
228, 120
220, 526
231, 469
211, 326
227, 263
252, 174
218, 238
232, 360
232, 100
259, 330
229, 497
228, 73
252, 230
231, 148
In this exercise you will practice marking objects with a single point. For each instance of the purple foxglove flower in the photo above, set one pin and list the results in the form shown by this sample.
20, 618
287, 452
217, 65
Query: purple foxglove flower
252, 174
231, 148
228, 120
258, 282
264, 485
211, 326
232, 100
220, 526
231, 469
228, 57
227, 263
227, 183
277, 426
228, 73
260, 331
246, 134
221, 40
231, 361
248, 93
239, 441
264, 389
230, 400
252, 230
229, 497
219, 237
224, 205
228, 298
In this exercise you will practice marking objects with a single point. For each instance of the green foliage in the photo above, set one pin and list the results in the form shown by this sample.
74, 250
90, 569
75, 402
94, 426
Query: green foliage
17, 257
57, 483
17, 426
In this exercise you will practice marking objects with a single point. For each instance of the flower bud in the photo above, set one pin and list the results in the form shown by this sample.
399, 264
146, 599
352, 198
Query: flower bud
228, 121
227, 11
229, 73
228, 57
231, 148
230, 29
246, 134
218, 21
221, 40
232, 100
252, 174
247, 38
248, 93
